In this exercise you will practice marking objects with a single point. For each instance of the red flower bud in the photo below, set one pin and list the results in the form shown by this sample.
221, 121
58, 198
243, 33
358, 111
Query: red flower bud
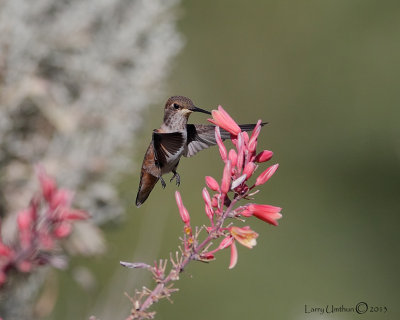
264, 156
212, 183
249, 169
264, 177
182, 210
226, 178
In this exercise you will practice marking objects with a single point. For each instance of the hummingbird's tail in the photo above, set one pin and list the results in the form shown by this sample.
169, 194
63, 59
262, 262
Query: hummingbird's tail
146, 184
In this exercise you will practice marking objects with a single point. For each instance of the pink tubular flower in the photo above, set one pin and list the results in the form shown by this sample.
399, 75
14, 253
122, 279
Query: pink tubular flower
264, 156
249, 169
245, 236
226, 178
240, 148
234, 256
208, 206
263, 212
206, 197
221, 146
182, 210
253, 140
222, 119
225, 243
212, 183
264, 177
233, 157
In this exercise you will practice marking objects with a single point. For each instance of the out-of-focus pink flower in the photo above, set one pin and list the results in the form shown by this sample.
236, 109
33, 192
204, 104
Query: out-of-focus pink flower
263, 212
24, 266
48, 218
25, 224
5, 251
234, 256
68, 214
47, 184
226, 178
264, 156
46, 241
222, 119
221, 146
24, 219
182, 210
62, 230
249, 169
264, 177
212, 183
61, 198
245, 236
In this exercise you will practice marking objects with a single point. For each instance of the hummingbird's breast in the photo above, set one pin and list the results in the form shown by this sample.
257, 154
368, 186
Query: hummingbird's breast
174, 121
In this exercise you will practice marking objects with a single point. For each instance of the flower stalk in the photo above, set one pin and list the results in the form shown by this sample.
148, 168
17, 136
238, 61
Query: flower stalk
239, 166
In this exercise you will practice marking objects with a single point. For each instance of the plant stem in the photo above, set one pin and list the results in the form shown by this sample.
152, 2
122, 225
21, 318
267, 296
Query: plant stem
153, 296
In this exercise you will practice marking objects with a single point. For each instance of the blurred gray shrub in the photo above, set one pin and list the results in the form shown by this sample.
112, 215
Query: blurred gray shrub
74, 77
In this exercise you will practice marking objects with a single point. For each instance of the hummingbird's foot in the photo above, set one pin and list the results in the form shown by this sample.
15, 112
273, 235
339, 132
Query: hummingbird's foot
177, 177
163, 184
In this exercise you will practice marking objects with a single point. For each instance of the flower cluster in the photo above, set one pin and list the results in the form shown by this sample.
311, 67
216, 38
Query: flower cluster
240, 165
48, 218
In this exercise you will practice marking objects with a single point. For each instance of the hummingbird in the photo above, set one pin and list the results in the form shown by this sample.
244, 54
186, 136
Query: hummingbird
174, 139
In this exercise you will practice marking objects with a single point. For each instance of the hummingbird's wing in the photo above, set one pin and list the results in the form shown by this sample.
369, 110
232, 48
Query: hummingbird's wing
166, 145
202, 136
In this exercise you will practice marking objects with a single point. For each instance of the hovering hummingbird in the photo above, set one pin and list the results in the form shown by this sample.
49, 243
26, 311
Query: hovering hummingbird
174, 139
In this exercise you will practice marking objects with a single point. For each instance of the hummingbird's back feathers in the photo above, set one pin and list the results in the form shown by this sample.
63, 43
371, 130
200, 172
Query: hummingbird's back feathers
166, 145
202, 136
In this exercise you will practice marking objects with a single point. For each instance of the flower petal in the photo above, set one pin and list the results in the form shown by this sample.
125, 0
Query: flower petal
222, 119
234, 256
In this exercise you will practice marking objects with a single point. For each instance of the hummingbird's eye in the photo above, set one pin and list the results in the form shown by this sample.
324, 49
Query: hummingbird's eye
176, 106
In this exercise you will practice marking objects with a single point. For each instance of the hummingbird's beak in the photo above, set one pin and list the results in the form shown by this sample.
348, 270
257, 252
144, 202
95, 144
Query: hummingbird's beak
195, 109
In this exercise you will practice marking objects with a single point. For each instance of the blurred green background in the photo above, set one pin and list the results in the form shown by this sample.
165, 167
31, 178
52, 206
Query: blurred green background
325, 75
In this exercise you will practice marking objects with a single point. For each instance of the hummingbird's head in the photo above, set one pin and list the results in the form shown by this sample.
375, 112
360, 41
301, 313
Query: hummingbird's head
177, 111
